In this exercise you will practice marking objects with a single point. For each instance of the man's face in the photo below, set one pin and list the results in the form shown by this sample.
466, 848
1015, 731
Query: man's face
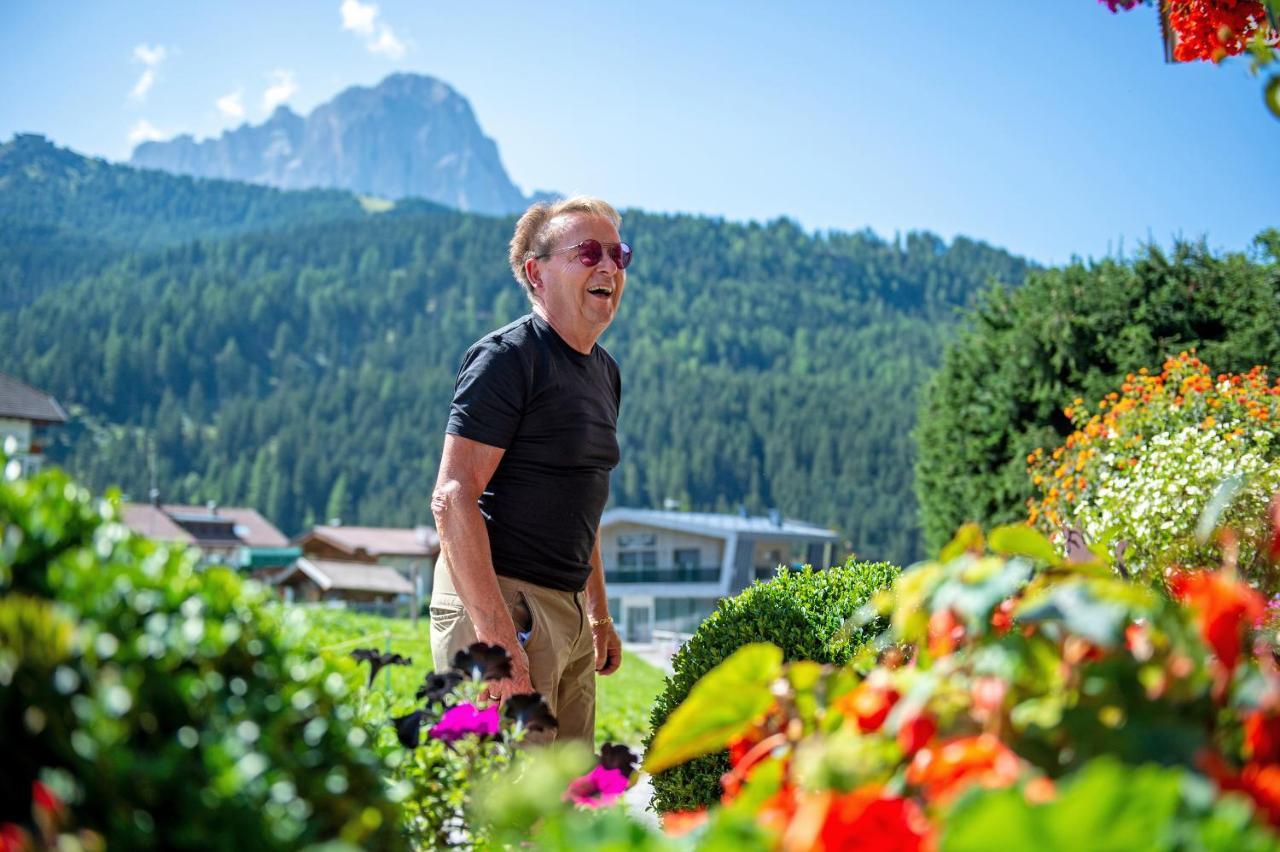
581, 300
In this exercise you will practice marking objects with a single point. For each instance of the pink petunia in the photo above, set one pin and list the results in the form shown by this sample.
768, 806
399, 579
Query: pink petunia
597, 788
465, 719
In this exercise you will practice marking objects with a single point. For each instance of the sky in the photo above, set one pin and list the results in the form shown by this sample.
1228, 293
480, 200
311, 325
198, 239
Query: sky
1051, 128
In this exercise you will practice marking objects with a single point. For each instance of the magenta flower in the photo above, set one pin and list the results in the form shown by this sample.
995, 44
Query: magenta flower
465, 719
597, 788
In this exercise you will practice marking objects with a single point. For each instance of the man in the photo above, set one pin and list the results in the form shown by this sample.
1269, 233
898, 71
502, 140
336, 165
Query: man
524, 476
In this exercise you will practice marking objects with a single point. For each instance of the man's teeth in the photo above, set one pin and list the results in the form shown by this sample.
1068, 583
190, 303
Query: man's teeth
601, 291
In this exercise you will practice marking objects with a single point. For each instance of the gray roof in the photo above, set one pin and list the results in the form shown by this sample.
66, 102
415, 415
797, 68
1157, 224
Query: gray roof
717, 525
22, 402
348, 576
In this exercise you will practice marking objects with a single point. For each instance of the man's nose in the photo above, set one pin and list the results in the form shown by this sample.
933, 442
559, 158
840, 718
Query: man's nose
608, 264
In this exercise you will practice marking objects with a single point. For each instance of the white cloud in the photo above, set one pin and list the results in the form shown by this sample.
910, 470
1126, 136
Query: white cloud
379, 37
145, 131
283, 86
151, 56
358, 17
387, 44
232, 105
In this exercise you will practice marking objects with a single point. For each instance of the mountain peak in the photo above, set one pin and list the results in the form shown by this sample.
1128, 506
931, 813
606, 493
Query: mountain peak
410, 135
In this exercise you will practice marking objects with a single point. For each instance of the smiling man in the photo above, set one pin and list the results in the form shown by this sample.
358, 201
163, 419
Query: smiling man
531, 440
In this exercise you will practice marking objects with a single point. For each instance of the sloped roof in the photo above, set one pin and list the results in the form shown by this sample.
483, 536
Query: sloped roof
150, 521
377, 541
348, 576
159, 523
21, 401
716, 524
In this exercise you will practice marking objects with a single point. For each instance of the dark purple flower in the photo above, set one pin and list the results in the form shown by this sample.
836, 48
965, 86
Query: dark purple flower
377, 659
530, 713
465, 719
408, 728
479, 661
438, 686
619, 757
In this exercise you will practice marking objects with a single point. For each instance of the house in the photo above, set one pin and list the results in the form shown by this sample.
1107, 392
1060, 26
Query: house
225, 535
311, 580
666, 570
24, 412
411, 551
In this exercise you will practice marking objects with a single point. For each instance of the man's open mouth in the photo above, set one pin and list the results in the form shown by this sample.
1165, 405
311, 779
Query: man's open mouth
603, 292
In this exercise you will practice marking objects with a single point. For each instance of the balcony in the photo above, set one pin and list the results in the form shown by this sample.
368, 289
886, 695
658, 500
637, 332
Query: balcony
676, 574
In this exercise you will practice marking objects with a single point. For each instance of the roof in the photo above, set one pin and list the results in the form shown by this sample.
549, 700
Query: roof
21, 401
378, 541
162, 523
716, 524
348, 576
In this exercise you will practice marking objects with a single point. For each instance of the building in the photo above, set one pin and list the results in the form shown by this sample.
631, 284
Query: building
410, 551
666, 570
24, 412
310, 580
226, 535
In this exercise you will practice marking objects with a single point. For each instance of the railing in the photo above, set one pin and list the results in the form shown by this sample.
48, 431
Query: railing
677, 574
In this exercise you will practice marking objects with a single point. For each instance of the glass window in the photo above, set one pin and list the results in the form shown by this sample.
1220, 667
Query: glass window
638, 559
688, 557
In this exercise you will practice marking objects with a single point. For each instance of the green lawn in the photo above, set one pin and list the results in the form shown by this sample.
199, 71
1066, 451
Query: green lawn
623, 699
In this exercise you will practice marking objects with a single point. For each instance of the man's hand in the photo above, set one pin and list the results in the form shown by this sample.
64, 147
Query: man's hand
518, 684
608, 648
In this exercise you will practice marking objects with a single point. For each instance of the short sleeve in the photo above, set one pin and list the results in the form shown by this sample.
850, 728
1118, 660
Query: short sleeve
489, 396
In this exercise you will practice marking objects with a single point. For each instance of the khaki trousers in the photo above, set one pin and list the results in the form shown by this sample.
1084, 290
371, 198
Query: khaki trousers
560, 646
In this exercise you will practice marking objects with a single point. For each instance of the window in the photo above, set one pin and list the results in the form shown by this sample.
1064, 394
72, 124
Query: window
637, 541
682, 615
631, 559
690, 557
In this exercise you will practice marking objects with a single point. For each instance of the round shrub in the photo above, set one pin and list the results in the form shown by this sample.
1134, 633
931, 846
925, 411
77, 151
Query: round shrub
802, 612
167, 707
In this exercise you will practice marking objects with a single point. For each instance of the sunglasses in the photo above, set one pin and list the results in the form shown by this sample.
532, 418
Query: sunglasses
591, 252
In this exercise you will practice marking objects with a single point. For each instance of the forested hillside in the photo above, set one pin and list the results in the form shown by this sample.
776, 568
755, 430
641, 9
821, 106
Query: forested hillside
306, 370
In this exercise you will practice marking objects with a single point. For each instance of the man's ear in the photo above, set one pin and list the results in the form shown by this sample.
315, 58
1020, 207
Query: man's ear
533, 273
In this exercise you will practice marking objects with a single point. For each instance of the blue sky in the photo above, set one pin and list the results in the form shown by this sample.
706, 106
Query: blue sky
1050, 128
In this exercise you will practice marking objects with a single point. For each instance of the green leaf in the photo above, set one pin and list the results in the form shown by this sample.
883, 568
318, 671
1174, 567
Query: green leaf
1022, 540
967, 539
1079, 611
722, 705
1222, 496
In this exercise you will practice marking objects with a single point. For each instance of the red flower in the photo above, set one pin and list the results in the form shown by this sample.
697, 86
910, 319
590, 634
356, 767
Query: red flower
1260, 783
946, 632
868, 819
1223, 607
13, 838
44, 799
1002, 616
1262, 737
678, 823
869, 703
915, 733
949, 767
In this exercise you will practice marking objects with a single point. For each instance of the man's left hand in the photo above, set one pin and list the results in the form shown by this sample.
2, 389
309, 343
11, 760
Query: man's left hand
608, 648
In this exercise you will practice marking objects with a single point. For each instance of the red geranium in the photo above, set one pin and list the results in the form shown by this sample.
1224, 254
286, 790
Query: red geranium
868, 819
949, 767
1224, 608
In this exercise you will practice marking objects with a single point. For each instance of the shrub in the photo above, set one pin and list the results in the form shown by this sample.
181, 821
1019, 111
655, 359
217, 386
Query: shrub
1145, 463
165, 706
802, 612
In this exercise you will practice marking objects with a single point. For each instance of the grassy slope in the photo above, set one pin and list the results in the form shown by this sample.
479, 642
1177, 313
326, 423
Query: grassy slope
623, 699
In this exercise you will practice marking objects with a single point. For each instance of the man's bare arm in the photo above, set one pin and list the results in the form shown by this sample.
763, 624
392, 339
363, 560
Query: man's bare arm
604, 635
466, 466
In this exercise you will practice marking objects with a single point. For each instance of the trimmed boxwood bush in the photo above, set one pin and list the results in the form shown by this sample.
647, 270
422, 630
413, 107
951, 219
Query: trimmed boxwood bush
802, 612
169, 707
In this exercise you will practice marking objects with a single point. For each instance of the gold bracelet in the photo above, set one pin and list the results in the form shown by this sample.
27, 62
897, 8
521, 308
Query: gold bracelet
598, 622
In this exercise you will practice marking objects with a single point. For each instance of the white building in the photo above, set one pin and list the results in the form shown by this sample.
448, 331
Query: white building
667, 570
24, 411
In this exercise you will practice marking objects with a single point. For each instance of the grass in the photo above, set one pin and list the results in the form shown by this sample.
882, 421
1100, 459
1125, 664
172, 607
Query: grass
623, 699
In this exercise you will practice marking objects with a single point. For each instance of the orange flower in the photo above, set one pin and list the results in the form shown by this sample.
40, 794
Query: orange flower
915, 733
869, 704
945, 633
1262, 737
678, 823
1223, 606
949, 767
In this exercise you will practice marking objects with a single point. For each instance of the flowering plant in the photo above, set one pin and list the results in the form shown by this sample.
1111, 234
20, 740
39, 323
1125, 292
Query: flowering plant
1014, 695
1159, 464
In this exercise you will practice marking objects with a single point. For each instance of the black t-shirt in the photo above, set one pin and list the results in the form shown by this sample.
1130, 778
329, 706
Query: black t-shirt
555, 412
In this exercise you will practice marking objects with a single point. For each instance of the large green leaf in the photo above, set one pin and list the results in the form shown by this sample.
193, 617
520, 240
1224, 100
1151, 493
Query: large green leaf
1079, 611
1022, 540
720, 707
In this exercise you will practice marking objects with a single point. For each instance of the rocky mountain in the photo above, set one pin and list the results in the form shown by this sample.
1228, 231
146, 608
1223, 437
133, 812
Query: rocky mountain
408, 136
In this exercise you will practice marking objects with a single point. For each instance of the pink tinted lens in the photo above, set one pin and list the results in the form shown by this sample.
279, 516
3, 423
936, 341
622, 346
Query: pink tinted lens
621, 254
590, 252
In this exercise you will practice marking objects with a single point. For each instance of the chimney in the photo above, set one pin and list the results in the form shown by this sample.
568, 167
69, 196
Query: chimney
775, 517
670, 504
212, 506
742, 511
155, 497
